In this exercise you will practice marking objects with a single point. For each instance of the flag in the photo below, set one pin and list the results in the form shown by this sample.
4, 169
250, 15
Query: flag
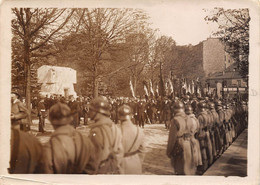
189, 90
132, 89
145, 89
198, 90
184, 86
157, 89
166, 88
151, 87
192, 87
171, 86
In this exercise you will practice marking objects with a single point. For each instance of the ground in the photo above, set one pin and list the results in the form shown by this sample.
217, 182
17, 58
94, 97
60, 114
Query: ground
232, 162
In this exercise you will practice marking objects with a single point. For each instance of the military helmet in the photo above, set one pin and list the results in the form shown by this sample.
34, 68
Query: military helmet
125, 112
211, 105
100, 105
59, 111
178, 106
202, 106
188, 109
219, 103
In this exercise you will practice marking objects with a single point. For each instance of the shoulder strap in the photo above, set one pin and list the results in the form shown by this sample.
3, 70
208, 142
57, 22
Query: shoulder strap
137, 134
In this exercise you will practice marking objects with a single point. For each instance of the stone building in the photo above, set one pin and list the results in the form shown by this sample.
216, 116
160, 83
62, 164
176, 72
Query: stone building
215, 59
57, 80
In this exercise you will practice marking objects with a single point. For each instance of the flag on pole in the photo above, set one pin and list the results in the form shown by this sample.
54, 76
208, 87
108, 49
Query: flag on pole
192, 87
151, 87
157, 89
145, 89
132, 90
184, 85
189, 90
171, 86
166, 88
198, 90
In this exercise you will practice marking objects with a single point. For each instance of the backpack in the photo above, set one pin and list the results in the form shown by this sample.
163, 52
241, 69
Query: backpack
110, 164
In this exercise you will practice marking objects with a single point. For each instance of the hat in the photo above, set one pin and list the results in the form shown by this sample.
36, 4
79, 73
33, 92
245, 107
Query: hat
16, 93
59, 111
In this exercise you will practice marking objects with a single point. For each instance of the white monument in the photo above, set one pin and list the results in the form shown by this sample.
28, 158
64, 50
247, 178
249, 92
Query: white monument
57, 80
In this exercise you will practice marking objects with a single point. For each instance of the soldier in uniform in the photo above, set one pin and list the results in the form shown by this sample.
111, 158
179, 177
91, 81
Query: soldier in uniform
194, 136
133, 142
106, 137
221, 115
68, 151
211, 128
179, 142
204, 137
41, 114
74, 106
18, 111
141, 113
25, 148
215, 130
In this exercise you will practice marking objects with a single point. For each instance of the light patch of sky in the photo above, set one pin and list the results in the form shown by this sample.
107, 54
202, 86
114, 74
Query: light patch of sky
184, 23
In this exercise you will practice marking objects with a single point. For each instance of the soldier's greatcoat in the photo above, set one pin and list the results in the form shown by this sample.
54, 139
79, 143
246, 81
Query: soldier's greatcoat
107, 140
133, 144
205, 142
26, 152
196, 145
179, 145
67, 152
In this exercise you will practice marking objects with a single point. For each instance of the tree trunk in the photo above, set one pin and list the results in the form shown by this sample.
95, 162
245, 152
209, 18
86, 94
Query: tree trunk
135, 85
95, 87
28, 77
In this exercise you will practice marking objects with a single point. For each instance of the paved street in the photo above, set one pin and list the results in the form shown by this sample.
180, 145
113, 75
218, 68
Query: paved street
232, 163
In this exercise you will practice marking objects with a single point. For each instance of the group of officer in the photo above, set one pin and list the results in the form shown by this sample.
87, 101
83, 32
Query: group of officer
107, 149
198, 138
200, 130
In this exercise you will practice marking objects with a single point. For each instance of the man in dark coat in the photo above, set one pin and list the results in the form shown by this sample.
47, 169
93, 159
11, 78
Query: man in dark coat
41, 114
74, 106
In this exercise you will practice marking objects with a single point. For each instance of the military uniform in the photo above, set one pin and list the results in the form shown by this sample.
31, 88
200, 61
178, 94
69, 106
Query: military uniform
106, 137
132, 141
194, 135
26, 152
19, 113
204, 138
68, 151
179, 143
41, 114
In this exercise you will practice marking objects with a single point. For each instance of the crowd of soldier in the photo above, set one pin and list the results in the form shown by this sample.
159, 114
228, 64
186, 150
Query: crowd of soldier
107, 149
200, 130
198, 138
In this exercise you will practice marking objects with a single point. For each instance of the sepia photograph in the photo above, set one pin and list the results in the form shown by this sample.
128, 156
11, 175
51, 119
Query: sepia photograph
158, 90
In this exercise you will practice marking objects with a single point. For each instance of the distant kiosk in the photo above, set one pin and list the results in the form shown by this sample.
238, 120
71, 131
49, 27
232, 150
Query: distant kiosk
57, 80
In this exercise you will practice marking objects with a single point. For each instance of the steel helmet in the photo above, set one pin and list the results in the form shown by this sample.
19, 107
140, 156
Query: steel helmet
202, 106
188, 109
100, 105
125, 112
178, 106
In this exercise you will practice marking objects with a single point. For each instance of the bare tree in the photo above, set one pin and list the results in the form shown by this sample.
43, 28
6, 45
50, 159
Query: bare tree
35, 28
106, 30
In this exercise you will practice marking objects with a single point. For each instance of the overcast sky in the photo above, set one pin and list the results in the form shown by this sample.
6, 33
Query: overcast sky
185, 24
184, 19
